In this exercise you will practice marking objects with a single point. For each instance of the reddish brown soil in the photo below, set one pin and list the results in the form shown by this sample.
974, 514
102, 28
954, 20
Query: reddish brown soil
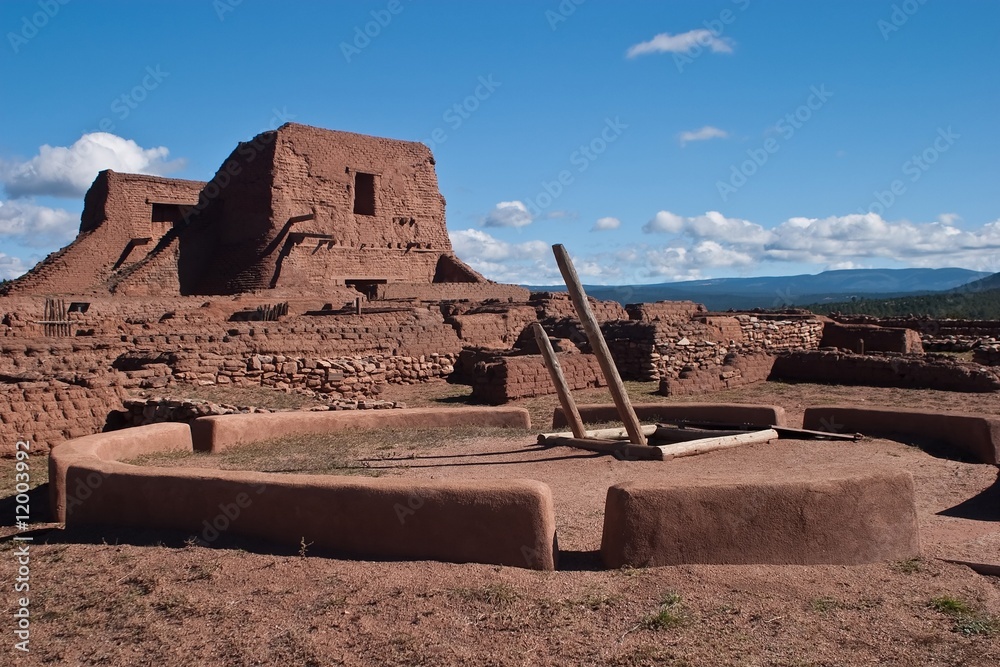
123, 598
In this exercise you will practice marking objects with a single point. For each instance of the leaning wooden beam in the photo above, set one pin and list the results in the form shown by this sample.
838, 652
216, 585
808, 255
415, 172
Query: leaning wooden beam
559, 380
712, 444
618, 433
598, 345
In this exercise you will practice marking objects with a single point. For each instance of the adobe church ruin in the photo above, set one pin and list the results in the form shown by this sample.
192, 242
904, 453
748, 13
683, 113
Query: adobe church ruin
299, 210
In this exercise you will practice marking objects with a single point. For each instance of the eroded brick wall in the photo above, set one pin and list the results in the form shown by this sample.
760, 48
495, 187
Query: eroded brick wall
497, 379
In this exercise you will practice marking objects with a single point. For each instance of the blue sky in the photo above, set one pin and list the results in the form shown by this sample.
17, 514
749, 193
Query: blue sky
658, 141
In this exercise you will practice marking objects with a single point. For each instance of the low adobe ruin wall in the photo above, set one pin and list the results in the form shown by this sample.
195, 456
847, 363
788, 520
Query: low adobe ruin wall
805, 521
862, 338
976, 437
505, 523
499, 378
884, 370
663, 350
736, 371
219, 433
715, 413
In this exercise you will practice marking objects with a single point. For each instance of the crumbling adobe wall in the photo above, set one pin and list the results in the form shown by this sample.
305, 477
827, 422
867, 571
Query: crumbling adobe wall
885, 370
662, 350
987, 352
116, 231
47, 412
937, 335
288, 215
863, 338
495, 326
736, 371
499, 378
559, 305
434, 292
667, 311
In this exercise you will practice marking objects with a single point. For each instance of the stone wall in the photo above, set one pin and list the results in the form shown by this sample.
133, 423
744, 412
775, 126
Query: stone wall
987, 352
736, 371
937, 335
885, 370
662, 350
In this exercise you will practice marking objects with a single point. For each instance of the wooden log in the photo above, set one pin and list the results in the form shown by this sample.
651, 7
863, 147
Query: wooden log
618, 433
665, 435
599, 346
559, 380
713, 444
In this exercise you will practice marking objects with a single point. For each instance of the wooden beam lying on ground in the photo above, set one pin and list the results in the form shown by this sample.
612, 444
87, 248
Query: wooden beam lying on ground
618, 448
712, 444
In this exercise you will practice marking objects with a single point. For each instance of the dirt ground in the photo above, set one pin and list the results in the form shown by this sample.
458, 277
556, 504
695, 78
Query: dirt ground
140, 597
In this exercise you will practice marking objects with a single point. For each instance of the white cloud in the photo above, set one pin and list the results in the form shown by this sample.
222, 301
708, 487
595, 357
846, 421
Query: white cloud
711, 225
605, 224
702, 134
11, 267
37, 225
528, 262
835, 241
682, 43
61, 171
508, 214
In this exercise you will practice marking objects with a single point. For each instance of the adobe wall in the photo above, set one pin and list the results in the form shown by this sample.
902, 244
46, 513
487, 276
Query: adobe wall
937, 335
737, 370
862, 338
663, 350
504, 523
987, 352
217, 434
498, 378
667, 311
885, 370
976, 437
116, 231
559, 305
802, 520
453, 291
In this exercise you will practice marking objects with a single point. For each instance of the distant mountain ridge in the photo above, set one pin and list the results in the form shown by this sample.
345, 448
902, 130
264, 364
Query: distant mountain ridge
782, 291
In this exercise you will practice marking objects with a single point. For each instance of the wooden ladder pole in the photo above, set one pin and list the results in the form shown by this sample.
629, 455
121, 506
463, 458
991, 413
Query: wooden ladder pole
599, 346
559, 380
